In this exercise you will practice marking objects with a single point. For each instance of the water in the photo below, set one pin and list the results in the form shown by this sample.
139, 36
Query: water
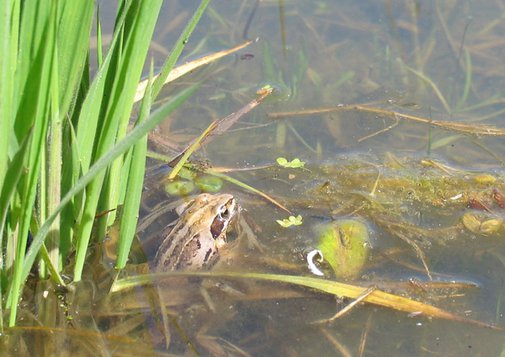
431, 60
426, 59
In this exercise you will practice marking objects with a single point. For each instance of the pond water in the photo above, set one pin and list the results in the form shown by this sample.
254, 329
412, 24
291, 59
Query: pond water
389, 104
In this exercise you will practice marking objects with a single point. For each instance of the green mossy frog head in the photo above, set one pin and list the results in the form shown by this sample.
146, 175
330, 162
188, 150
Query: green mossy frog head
345, 245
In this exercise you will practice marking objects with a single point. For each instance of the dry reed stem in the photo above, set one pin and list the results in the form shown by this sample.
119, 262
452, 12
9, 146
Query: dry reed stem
464, 128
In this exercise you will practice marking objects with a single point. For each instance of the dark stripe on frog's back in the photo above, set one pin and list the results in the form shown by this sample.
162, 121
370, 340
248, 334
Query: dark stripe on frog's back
166, 259
166, 250
193, 248
180, 229
209, 256
183, 259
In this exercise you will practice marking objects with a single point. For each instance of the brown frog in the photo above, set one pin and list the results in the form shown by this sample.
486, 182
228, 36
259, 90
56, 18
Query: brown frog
194, 241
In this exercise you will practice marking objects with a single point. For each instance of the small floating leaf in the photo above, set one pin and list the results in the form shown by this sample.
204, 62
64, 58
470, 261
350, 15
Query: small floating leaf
345, 245
209, 183
179, 187
484, 179
471, 222
282, 161
290, 221
480, 225
491, 226
296, 163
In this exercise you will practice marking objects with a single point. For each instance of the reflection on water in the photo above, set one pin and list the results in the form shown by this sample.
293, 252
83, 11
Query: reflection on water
404, 179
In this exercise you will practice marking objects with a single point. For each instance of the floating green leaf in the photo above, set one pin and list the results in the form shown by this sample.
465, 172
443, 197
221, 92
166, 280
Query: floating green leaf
296, 163
179, 187
208, 183
290, 221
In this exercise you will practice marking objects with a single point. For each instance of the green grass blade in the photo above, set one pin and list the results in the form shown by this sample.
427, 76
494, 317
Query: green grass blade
53, 161
7, 70
71, 166
177, 49
55, 276
271, 73
76, 18
132, 202
468, 79
433, 86
34, 104
70, 174
195, 145
88, 118
121, 147
28, 97
134, 186
99, 46
11, 180
248, 188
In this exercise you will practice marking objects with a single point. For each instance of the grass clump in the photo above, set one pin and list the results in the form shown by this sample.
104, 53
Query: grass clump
66, 154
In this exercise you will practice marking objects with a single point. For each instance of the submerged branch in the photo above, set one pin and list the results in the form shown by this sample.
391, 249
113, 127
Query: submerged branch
460, 127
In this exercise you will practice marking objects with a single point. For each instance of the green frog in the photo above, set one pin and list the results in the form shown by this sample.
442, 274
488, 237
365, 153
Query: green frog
194, 241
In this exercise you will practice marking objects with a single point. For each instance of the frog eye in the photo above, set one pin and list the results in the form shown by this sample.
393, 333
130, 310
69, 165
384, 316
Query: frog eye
220, 222
224, 213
